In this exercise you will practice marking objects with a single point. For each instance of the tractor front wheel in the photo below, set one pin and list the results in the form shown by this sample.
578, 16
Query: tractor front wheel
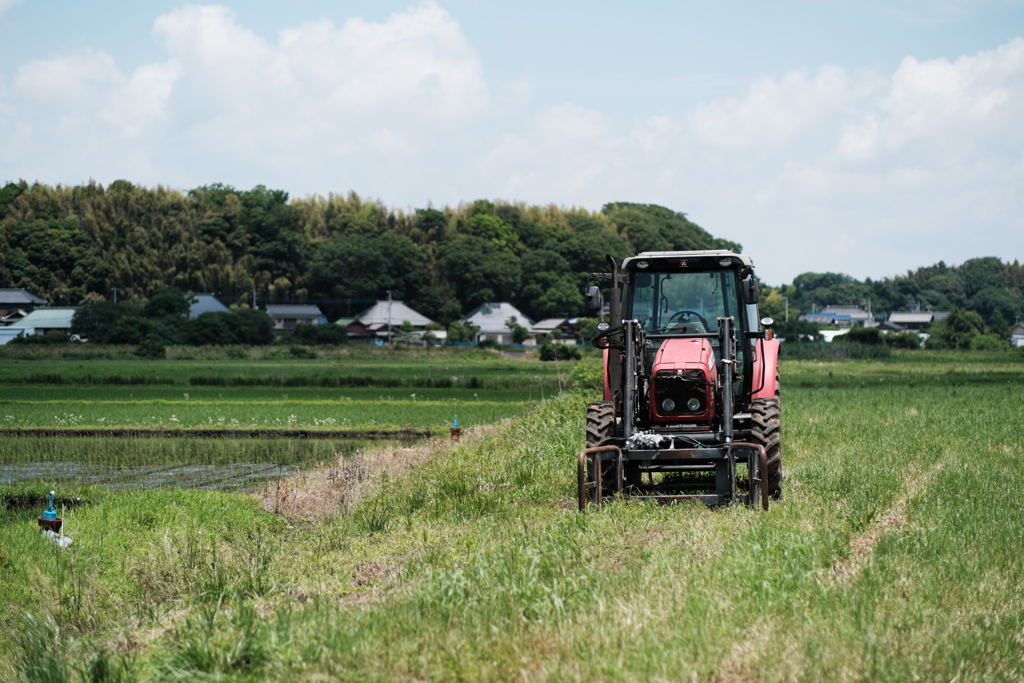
600, 430
766, 430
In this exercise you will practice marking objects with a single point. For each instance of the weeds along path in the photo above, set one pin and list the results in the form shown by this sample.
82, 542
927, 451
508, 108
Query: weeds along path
472, 563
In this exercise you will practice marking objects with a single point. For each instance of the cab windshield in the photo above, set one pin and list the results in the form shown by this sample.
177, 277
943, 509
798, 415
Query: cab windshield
682, 303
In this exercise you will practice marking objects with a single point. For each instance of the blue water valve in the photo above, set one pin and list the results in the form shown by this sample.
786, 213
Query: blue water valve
50, 513
455, 422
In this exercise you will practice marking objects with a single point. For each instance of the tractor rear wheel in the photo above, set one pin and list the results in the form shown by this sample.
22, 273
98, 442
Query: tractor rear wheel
766, 431
600, 430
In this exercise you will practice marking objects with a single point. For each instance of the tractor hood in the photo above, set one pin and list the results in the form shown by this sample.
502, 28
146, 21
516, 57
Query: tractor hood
683, 381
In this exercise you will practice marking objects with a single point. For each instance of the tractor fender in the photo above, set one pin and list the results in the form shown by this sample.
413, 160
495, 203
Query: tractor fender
766, 364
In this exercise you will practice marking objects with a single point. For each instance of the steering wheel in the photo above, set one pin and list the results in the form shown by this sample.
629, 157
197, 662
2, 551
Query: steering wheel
686, 316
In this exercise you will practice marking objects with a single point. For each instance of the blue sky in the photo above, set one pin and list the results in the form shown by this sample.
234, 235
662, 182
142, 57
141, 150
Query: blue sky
861, 137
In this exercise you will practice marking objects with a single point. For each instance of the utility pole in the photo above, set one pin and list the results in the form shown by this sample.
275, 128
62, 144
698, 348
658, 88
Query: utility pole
787, 308
254, 298
389, 316
115, 293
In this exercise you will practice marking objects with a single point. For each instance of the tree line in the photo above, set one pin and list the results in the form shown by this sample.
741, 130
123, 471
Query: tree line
75, 244
987, 286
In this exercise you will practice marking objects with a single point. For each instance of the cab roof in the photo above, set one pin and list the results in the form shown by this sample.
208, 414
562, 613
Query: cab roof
738, 259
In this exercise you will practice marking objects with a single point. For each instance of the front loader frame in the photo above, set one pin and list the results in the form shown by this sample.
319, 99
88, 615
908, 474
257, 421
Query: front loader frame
720, 460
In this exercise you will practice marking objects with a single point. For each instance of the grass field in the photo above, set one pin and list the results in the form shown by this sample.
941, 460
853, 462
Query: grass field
895, 555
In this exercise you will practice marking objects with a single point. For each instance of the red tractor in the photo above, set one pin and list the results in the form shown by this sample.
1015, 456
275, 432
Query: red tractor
691, 384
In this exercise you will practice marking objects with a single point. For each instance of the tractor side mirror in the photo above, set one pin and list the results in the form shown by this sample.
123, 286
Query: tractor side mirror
592, 299
751, 291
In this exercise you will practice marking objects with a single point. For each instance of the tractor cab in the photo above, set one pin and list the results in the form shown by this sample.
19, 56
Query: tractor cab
675, 295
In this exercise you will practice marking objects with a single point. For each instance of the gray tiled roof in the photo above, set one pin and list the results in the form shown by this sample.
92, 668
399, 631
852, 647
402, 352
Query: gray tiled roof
19, 296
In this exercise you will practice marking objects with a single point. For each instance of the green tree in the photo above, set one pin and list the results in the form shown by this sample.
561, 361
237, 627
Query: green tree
998, 326
956, 330
365, 266
168, 302
519, 333
492, 229
479, 271
459, 331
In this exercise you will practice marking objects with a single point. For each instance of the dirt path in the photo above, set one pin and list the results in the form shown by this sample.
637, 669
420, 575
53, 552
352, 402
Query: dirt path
862, 546
338, 485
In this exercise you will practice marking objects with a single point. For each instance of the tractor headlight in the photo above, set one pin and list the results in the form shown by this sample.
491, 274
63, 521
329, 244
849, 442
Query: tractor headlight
643, 265
693, 405
725, 262
668, 405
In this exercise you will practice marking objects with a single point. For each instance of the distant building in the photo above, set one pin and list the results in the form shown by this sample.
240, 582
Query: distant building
206, 303
492, 321
43, 320
916, 320
17, 303
287, 316
848, 315
824, 319
376, 321
1017, 335
549, 325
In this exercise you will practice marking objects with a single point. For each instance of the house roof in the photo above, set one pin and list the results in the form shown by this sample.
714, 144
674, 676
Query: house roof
1018, 329
206, 303
548, 324
855, 312
293, 309
378, 314
47, 319
911, 317
344, 322
490, 318
819, 317
10, 295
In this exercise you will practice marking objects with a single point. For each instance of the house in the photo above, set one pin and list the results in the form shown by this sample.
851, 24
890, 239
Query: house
849, 315
491, 319
1017, 335
384, 316
287, 316
206, 303
14, 300
549, 325
392, 313
43, 320
826, 319
886, 326
916, 320
7, 334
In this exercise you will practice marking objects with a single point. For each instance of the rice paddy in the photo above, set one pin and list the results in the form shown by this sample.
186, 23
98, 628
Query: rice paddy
55, 430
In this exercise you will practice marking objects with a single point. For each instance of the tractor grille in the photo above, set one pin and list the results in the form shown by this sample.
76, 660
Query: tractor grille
682, 393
